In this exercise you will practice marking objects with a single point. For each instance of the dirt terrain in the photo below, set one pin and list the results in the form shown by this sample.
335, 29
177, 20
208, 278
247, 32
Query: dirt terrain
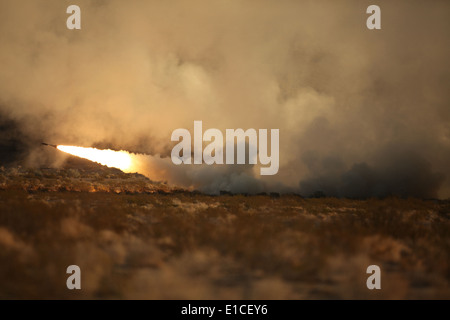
134, 238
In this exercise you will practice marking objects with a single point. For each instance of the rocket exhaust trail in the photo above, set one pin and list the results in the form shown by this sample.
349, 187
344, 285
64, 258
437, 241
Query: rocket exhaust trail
122, 160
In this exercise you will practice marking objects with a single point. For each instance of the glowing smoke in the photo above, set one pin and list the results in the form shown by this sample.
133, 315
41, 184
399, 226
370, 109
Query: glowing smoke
351, 104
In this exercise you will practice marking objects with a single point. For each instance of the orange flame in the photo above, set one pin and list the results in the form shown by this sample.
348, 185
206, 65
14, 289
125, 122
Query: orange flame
110, 158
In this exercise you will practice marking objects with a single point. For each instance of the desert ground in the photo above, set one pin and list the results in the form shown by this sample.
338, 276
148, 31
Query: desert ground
137, 239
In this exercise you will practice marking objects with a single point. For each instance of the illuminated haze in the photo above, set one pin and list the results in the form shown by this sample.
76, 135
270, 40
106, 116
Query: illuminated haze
361, 113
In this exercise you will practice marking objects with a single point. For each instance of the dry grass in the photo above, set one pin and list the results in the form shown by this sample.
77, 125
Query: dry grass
136, 239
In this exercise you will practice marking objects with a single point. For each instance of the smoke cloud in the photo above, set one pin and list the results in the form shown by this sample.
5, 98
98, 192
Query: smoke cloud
361, 113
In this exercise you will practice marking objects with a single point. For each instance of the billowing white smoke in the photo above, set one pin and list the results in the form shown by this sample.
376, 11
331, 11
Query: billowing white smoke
209, 179
343, 97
